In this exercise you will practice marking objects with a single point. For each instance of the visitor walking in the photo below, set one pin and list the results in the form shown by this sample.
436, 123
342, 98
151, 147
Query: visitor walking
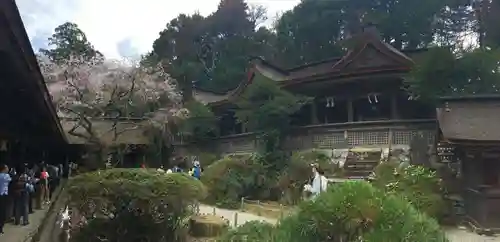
4, 192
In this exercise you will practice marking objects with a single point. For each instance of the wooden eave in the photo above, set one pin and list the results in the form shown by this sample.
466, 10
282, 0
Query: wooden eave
23, 51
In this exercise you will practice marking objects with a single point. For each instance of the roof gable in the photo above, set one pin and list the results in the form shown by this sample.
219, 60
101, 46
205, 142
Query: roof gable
371, 52
369, 57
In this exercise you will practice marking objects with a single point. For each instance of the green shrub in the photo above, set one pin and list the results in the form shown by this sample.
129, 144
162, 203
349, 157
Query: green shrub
206, 159
298, 173
250, 231
356, 211
351, 211
418, 185
133, 204
231, 178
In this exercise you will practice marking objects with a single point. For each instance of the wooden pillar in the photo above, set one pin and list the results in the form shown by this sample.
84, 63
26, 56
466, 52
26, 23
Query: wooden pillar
350, 110
394, 106
314, 113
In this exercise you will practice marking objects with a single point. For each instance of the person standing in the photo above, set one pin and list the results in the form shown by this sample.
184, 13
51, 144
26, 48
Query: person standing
53, 178
44, 185
196, 171
4, 192
21, 195
31, 191
319, 183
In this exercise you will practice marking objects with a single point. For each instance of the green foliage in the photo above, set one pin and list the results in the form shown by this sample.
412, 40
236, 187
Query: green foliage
313, 30
133, 204
491, 18
440, 72
299, 172
351, 211
177, 48
201, 123
212, 51
69, 40
265, 107
207, 159
251, 231
418, 185
231, 178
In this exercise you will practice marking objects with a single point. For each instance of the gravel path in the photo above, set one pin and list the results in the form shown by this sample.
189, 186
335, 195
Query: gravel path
454, 234
234, 220
463, 235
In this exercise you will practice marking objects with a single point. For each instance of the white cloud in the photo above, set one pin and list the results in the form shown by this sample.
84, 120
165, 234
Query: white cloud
108, 23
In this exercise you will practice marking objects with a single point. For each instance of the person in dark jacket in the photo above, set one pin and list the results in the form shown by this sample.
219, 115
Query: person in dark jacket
21, 196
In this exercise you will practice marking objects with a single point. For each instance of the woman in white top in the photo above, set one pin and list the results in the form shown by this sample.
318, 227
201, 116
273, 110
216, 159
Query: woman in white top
319, 183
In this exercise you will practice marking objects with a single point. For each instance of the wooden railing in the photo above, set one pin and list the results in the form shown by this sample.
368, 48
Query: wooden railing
345, 135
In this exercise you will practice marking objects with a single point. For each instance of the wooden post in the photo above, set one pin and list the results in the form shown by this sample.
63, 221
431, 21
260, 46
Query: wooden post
350, 110
213, 212
314, 113
259, 212
242, 204
394, 106
236, 219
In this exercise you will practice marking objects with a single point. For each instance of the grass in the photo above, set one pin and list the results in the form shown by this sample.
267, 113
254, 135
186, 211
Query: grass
271, 210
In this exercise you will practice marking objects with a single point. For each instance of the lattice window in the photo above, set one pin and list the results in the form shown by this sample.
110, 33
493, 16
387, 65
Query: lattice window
404, 137
244, 145
328, 141
297, 142
368, 137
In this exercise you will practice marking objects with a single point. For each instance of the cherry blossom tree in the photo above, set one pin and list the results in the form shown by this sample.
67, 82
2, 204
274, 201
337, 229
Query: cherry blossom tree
116, 91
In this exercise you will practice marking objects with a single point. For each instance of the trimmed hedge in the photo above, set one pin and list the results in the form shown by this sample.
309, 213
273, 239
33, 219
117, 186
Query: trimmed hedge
133, 205
352, 211
231, 178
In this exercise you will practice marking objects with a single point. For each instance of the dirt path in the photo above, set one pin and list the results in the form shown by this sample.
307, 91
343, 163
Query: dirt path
234, 220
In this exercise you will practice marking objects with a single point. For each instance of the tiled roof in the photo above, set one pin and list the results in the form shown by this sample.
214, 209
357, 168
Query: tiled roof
470, 119
369, 56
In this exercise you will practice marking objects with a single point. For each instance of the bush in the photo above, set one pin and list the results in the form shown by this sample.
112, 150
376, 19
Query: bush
231, 178
206, 159
352, 211
420, 186
298, 173
133, 205
356, 211
250, 231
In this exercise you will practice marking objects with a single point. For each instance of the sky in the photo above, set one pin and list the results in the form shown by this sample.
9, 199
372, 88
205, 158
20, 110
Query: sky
119, 28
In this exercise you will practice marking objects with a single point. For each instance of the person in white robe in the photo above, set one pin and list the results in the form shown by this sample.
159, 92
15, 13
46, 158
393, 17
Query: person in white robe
319, 183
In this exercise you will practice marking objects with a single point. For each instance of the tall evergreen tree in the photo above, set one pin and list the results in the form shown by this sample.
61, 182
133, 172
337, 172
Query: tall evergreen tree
69, 40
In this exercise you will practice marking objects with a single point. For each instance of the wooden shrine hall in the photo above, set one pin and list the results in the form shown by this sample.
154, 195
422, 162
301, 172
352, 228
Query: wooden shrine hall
29, 128
469, 126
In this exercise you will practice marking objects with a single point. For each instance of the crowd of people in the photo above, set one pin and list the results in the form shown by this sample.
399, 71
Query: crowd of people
195, 171
26, 188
